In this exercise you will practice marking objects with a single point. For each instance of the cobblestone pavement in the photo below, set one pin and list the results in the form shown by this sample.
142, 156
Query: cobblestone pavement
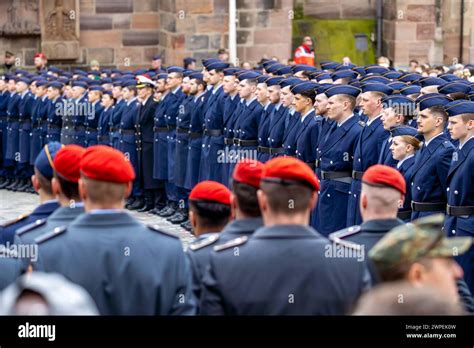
13, 204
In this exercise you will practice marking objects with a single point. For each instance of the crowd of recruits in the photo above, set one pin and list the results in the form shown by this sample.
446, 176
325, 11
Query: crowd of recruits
255, 254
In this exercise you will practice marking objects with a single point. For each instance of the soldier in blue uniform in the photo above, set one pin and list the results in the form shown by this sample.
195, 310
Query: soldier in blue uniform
11, 267
430, 172
320, 104
213, 136
91, 121
264, 124
251, 283
42, 184
383, 187
460, 191
117, 113
397, 111
104, 135
38, 119
336, 154
404, 146
54, 112
98, 252
73, 131
291, 118
6, 170
369, 145
209, 212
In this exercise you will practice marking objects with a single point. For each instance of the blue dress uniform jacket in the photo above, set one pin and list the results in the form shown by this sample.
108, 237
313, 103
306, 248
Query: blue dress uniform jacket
91, 122
324, 127
386, 155
139, 273
39, 127
366, 154
160, 144
193, 163
199, 252
430, 173
232, 110
336, 158
54, 119
171, 114
183, 124
104, 135
25, 107
9, 228
307, 138
213, 137
128, 143
145, 122
4, 97
281, 270
11, 268
268, 113
289, 137
276, 130
460, 193
115, 123
406, 169
78, 118
13, 140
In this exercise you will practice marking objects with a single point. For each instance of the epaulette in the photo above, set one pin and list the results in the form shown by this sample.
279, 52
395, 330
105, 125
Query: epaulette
14, 221
30, 227
232, 243
155, 228
204, 242
362, 123
447, 144
56, 232
336, 237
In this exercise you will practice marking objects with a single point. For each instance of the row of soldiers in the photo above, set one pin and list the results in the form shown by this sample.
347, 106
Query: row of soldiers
255, 253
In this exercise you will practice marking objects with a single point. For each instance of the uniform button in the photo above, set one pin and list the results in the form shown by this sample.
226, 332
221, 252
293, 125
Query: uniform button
418, 188
329, 195
358, 159
453, 231
456, 192
447, 189
355, 195
330, 162
412, 183
350, 192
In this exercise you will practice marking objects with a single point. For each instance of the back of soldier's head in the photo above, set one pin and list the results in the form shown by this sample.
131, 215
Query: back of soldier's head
246, 180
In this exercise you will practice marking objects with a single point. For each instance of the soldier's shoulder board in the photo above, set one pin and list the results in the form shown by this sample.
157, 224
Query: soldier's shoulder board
362, 123
31, 227
14, 221
447, 144
204, 242
232, 243
155, 228
346, 232
50, 235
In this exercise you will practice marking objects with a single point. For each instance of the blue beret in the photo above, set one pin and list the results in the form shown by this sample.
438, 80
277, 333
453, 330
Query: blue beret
83, 79
262, 78
197, 76
118, 82
342, 74
217, 66
355, 83
67, 74
129, 83
273, 68
302, 67
55, 69
303, 87
106, 80
323, 76
128, 75
432, 81
376, 69
231, 71
290, 81
274, 81
156, 57
403, 130
24, 79
327, 65
432, 99
454, 87
410, 77
400, 103
450, 77
94, 83
268, 62
360, 70
284, 70
209, 61
80, 72
343, 89
96, 88
322, 88
375, 78
376, 87
397, 85
55, 84
459, 107
161, 76
186, 73
348, 66
44, 160
175, 69
116, 71
19, 72
248, 75
40, 83
189, 60
393, 75
412, 89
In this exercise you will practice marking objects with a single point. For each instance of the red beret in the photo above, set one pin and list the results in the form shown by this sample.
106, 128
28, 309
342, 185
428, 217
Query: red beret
384, 176
40, 55
289, 170
210, 191
104, 163
248, 172
67, 160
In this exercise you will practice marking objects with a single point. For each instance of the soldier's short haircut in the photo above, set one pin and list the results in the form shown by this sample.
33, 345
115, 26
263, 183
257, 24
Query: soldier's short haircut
400, 271
467, 117
69, 189
379, 95
210, 214
44, 182
252, 82
309, 93
438, 111
246, 197
458, 96
102, 192
202, 83
287, 199
349, 98
132, 89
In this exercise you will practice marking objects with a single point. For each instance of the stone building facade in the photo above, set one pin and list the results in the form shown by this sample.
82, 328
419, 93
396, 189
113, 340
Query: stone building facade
127, 33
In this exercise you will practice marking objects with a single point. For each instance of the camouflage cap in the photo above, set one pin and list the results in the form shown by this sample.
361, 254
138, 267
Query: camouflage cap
408, 243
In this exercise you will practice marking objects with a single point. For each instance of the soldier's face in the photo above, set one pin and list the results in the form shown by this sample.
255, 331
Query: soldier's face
40, 91
335, 107
126, 93
193, 87
300, 103
69, 92
274, 94
107, 101
185, 85
427, 122
161, 85
370, 104
3, 85
261, 93
77, 91
246, 90
94, 96
286, 97
321, 104
21, 87
389, 118
117, 92
11, 86
50, 93
400, 149
33, 88
9, 60
458, 129
156, 64
229, 85
173, 80
214, 77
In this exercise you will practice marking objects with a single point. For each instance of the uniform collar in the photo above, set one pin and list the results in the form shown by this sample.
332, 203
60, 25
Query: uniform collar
106, 218
248, 225
369, 122
47, 207
429, 141
382, 225
347, 119
67, 213
399, 164
286, 231
462, 145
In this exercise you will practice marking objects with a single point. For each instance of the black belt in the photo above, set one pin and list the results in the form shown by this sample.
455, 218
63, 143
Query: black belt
404, 214
263, 149
79, 128
90, 129
213, 132
12, 119
103, 137
3, 118
42, 122
171, 126
423, 207
459, 210
277, 151
241, 142
357, 175
114, 129
25, 121
195, 135
182, 130
335, 175
228, 141
127, 131
53, 126
160, 129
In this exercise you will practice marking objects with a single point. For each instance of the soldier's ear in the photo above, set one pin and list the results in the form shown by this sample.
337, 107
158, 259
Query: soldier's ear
262, 201
56, 188
233, 205
314, 200
35, 182
82, 190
